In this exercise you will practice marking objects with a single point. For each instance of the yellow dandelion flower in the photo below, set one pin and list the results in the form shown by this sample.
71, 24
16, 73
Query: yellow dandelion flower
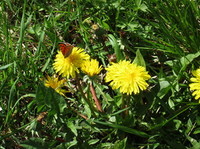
91, 67
195, 86
55, 83
70, 65
127, 77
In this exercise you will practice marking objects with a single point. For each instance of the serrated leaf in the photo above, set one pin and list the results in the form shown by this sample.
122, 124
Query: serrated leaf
49, 97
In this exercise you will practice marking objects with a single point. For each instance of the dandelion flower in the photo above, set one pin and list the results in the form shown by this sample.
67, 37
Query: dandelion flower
55, 83
91, 67
69, 66
195, 86
95, 26
127, 77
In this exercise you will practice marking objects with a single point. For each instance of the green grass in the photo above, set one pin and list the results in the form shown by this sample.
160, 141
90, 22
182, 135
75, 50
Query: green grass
159, 34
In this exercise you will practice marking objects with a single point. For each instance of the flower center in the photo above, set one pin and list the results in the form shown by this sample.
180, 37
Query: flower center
133, 75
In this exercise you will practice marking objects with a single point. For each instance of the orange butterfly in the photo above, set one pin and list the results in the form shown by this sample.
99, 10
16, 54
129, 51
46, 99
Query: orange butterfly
65, 48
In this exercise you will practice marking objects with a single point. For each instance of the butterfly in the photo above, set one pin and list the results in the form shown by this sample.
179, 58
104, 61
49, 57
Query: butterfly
65, 48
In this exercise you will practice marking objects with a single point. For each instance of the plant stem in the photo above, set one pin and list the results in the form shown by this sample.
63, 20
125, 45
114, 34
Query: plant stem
85, 98
125, 102
97, 102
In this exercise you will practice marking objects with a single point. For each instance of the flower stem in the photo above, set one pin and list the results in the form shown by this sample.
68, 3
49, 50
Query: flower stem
125, 102
85, 98
97, 102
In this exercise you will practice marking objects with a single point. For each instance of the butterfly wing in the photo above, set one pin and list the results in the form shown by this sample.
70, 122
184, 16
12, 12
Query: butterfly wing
65, 48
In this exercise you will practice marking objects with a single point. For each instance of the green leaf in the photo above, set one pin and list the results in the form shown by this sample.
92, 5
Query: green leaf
87, 110
197, 131
120, 111
186, 60
171, 103
198, 120
11, 101
67, 145
196, 145
143, 7
49, 97
179, 65
5, 66
174, 115
164, 88
116, 47
124, 128
120, 144
93, 141
177, 123
72, 127
34, 143
139, 59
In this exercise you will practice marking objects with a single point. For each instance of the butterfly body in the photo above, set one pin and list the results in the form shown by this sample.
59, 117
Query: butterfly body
65, 48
